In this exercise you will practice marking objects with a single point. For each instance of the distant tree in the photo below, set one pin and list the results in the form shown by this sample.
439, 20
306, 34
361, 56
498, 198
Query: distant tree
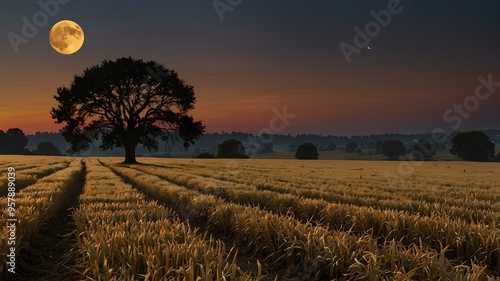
3, 142
292, 147
125, 103
473, 146
424, 149
47, 148
331, 146
266, 148
205, 155
232, 149
393, 149
351, 147
497, 158
13, 141
306, 151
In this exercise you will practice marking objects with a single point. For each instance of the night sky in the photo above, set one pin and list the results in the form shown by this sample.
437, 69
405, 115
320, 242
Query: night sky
271, 54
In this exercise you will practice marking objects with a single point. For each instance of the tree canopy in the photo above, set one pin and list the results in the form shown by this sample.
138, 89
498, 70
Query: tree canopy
473, 146
306, 151
13, 141
47, 148
125, 103
231, 149
393, 149
351, 147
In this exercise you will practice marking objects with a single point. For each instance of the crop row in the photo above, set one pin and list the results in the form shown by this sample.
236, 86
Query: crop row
473, 204
32, 206
26, 177
22, 162
465, 241
302, 249
122, 236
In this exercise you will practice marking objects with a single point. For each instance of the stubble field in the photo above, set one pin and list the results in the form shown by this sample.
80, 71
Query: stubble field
193, 219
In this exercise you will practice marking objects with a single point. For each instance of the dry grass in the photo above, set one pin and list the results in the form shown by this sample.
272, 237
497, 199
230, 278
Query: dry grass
33, 205
28, 174
122, 236
307, 220
272, 235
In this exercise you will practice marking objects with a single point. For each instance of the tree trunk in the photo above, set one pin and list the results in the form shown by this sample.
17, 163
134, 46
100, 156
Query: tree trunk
130, 153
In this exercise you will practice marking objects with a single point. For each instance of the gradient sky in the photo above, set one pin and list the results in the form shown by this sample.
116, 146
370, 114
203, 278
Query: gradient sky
270, 54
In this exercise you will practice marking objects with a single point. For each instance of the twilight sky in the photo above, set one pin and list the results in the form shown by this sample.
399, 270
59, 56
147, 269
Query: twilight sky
271, 54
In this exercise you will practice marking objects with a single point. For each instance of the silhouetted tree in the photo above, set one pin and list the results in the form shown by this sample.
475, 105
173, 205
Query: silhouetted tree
231, 149
266, 148
306, 151
351, 147
47, 148
13, 141
424, 149
473, 146
497, 158
3, 142
205, 155
393, 149
127, 102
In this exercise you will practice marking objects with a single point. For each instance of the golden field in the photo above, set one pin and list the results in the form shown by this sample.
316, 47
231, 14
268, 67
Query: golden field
254, 219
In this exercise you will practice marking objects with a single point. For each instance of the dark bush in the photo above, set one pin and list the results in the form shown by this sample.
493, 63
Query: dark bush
232, 149
473, 146
393, 149
351, 147
306, 151
47, 148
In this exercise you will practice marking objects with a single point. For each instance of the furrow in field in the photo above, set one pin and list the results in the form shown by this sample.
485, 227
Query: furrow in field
364, 178
245, 261
22, 162
466, 241
27, 177
33, 206
22, 167
124, 236
55, 246
315, 251
474, 210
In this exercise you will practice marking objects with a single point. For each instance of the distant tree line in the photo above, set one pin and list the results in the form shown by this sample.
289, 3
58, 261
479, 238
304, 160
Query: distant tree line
280, 143
14, 141
470, 146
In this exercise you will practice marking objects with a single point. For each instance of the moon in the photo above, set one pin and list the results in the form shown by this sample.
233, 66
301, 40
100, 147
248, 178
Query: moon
66, 37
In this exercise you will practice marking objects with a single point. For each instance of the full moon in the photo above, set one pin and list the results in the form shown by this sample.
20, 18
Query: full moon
66, 37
